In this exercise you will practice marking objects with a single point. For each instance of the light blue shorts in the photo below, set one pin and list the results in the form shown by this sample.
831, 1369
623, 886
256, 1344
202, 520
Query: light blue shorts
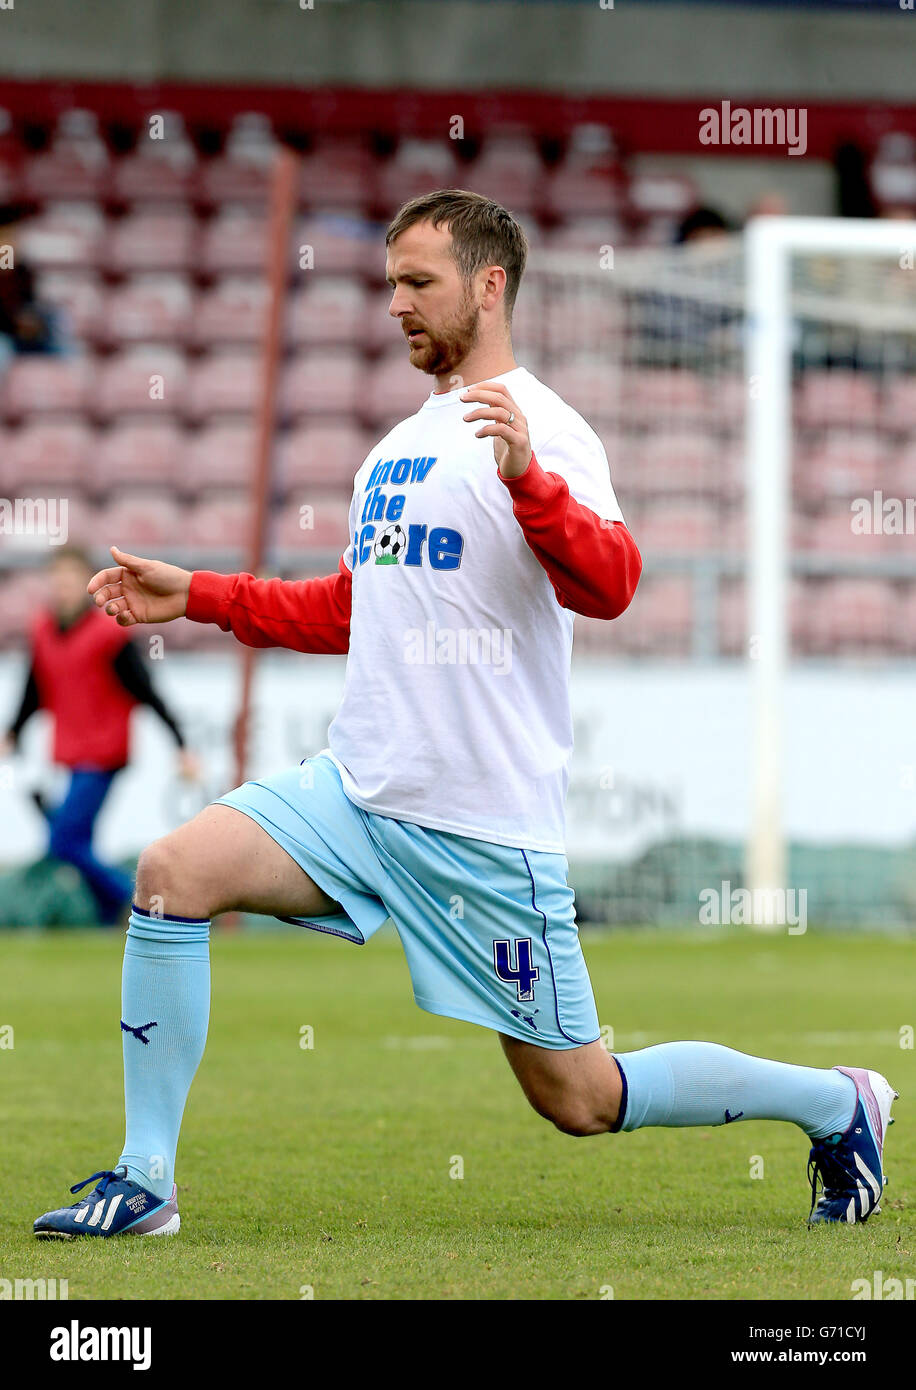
489, 931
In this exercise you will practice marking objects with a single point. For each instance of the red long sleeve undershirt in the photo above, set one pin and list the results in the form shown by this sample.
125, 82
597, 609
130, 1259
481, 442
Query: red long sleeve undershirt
593, 565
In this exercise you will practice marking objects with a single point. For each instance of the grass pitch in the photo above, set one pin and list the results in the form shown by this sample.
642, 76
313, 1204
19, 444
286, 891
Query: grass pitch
329, 1169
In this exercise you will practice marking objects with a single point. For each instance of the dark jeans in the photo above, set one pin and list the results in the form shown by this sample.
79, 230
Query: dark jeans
72, 824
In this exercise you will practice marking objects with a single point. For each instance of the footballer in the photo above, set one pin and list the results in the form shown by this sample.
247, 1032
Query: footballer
489, 510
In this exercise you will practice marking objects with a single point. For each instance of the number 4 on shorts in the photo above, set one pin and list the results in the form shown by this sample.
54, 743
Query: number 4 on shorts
523, 973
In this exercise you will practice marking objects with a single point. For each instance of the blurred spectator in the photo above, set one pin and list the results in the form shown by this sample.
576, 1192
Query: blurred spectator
88, 674
702, 224
25, 324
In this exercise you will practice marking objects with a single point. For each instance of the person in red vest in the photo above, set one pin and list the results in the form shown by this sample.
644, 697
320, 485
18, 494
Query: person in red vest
88, 675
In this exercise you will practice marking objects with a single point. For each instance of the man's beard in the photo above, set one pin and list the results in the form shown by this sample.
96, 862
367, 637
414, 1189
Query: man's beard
450, 345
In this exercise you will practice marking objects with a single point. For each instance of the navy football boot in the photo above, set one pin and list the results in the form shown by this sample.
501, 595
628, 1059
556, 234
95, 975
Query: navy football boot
850, 1165
115, 1207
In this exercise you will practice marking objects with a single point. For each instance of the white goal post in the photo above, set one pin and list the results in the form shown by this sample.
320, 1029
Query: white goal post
771, 244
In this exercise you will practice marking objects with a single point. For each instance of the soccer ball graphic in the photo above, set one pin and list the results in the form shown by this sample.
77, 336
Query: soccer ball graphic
390, 545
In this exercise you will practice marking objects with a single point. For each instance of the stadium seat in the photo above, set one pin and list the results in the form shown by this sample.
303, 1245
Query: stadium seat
328, 309
341, 244
65, 236
416, 167
838, 398
338, 174
161, 167
843, 466
242, 172
380, 329
227, 381
139, 453
678, 462
156, 238
142, 380
657, 194
322, 382
314, 523
898, 407
80, 300
22, 593
220, 521
43, 455
234, 311
148, 308
234, 242
76, 163
852, 616
830, 532
219, 456
660, 395
590, 385
659, 620
509, 169
137, 519
394, 389
324, 456
584, 234
668, 528
38, 385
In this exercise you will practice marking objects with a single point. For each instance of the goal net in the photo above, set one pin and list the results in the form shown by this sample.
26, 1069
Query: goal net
744, 746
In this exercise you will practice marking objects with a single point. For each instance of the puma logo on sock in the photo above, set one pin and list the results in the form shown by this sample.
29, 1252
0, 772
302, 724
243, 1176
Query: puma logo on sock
728, 1118
138, 1032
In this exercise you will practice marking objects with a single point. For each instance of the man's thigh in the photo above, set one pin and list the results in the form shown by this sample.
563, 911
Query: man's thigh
222, 861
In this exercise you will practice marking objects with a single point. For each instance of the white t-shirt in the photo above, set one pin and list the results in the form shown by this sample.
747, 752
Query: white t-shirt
455, 711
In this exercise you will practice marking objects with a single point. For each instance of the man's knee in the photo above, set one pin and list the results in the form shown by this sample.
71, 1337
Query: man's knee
571, 1117
166, 883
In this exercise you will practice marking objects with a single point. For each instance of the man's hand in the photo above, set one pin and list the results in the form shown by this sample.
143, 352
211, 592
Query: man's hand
141, 591
511, 445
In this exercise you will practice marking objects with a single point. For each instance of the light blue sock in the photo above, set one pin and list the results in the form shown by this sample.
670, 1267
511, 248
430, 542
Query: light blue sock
165, 1009
701, 1083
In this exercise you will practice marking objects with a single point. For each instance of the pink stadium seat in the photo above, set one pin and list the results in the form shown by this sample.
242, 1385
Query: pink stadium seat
220, 456
313, 523
324, 456
149, 308
76, 164
842, 466
590, 385
140, 452
235, 241
679, 528
340, 245
834, 399
734, 617
323, 382
416, 167
339, 173
226, 382
158, 238
585, 234
395, 389
44, 454
221, 521
658, 621
380, 329
159, 168
681, 461
905, 620
582, 192
40, 385
242, 172
851, 616
142, 380
135, 520
22, 593
509, 169
831, 532
80, 298
655, 396
65, 236
898, 408
328, 309
233, 311
900, 479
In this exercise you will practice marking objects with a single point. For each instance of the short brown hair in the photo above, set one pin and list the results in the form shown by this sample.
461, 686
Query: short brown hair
483, 233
